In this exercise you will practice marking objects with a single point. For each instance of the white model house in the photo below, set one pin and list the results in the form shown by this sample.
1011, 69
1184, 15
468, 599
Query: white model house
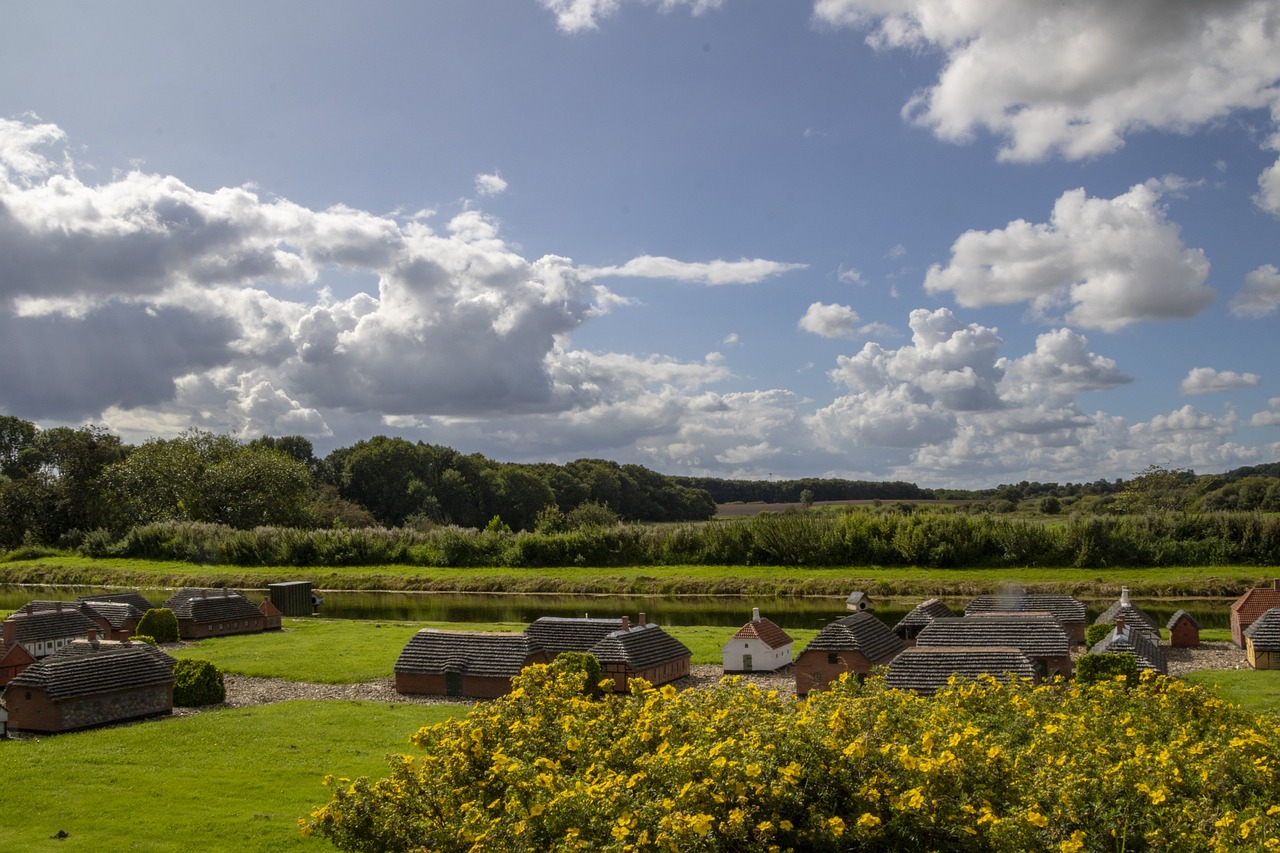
759, 646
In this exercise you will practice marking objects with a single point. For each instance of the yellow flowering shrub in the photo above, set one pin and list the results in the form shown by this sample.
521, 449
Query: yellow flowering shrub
981, 766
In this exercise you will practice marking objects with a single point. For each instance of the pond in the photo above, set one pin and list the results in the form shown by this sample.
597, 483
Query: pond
788, 612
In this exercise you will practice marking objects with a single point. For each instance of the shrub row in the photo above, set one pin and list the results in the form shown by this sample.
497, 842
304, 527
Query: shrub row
857, 537
1159, 766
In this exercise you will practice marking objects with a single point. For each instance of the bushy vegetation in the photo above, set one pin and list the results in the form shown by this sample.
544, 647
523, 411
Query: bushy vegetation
1159, 765
160, 624
855, 536
1090, 669
196, 683
1094, 634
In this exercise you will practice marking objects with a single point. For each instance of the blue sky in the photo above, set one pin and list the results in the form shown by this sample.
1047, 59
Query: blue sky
957, 242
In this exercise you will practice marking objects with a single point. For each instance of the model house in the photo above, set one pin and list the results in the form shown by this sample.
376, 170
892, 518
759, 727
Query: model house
910, 626
641, 651
1132, 616
760, 645
1248, 607
1184, 630
479, 664
205, 613
1133, 640
90, 683
1262, 640
45, 631
853, 644
928, 669
1038, 636
1067, 609
559, 634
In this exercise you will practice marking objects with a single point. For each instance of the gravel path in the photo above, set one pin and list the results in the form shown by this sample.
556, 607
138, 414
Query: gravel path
243, 691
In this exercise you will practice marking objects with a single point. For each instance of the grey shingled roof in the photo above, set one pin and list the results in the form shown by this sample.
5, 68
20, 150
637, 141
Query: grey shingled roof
115, 612
184, 605
559, 634
927, 669
860, 632
1065, 608
133, 597
923, 613
87, 669
44, 625
1181, 614
477, 653
1133, 641
1265, 631
1035, 636
640, 647
1132, 616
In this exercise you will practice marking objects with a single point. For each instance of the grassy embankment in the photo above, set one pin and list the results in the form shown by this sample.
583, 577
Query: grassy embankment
1216, 581
229, 780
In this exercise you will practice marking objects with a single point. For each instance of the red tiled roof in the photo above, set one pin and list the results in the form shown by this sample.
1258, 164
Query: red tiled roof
764, 630
1255, 602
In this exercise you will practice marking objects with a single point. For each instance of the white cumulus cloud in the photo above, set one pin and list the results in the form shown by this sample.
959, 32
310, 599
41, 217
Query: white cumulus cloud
490, 184
829, 321
745, 271
1206, 380
1109, 262
1260, 295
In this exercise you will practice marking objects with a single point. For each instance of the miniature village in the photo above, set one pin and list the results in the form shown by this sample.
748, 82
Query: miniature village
72, 665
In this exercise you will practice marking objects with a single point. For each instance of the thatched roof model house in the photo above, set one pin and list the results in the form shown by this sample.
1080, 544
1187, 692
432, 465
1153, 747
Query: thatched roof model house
928, 669
133, 597
1183, 629
1038, 636
1067, 609
641, 651
758, 646
1133, 640
91, 683
479, 664
1247, 608
214, 613
558, 634
1262, 640
1133, 616
910, 626
853, 644
44, 631
118, 619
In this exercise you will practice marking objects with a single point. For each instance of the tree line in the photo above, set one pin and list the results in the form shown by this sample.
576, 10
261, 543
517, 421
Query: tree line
62, 481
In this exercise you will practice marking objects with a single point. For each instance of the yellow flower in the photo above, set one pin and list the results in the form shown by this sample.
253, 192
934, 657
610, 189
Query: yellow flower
867, 821
836, 825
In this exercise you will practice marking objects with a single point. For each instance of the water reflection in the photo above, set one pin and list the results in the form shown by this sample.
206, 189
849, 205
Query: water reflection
665, 610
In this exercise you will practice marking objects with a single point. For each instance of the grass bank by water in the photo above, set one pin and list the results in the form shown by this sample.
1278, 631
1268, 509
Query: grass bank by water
1182, 581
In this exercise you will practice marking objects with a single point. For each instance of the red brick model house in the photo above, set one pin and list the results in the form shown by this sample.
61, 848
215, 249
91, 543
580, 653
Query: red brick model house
922, 614
1184, 630
853, 644
13, 660
758, 646
1038, 636
133, 597
1067, 609
641, 651
928, 669
558, 634
1248, 607
272, 618
214, 613
465, 663
1132, 616
44, 631
117, 619
1262, 640
91, 683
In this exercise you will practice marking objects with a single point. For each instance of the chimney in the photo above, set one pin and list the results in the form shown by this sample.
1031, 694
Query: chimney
1119, 624
755, 614
1275, 583
10, 629
93, 637
641, 620
57, 606
626, 623
1124, 596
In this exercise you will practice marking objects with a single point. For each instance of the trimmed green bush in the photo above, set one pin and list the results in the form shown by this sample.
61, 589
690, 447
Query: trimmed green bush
583, 663
1090, 669
160, 623
196, 683
144, 638
1095, 633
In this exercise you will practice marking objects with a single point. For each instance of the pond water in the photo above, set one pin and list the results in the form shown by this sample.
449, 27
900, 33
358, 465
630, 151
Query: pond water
788, 612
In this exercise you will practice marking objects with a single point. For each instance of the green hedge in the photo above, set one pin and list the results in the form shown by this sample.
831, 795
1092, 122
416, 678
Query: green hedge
197, 683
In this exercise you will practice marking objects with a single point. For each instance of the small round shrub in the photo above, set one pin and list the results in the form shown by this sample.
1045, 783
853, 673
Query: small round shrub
196, 683
1096, 633
143, 638
584, 663
159, 622
1090, 669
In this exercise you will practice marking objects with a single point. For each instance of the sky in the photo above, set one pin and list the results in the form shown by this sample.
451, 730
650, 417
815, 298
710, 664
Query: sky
953, 242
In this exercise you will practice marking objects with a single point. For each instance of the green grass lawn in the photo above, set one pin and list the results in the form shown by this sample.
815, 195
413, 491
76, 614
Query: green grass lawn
1256, 691
230, 780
